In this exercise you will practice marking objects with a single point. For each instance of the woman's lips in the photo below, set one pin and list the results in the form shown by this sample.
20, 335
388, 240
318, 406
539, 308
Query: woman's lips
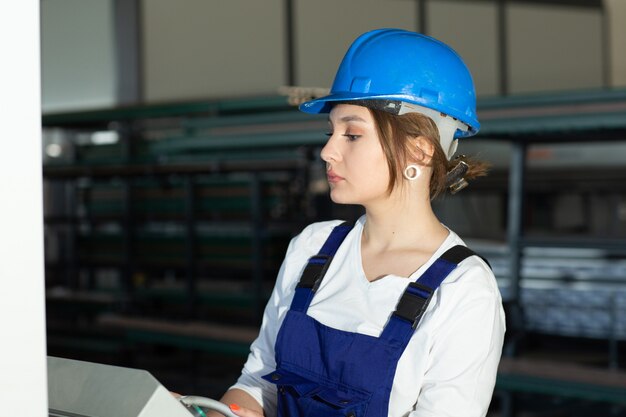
333, 178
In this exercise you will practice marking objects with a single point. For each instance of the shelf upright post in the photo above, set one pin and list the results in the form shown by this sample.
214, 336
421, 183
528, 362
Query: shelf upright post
517, 170
190, 246
517, 173
87, 196
128, 267
614, 334
69, 259
256, 215
71, 255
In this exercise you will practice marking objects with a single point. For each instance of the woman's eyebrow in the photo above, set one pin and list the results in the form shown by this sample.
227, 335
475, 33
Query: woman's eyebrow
350, 118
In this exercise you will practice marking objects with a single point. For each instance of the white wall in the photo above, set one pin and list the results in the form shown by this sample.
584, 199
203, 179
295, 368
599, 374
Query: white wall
202, 49
471, 29
23, 385
195, 49
78, 56
326, 28
617, 35
554, 48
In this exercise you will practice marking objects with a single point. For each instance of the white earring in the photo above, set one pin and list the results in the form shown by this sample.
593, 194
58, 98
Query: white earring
412, 172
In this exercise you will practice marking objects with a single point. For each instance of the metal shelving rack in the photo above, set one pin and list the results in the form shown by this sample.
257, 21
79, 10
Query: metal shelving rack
193, 145
578, 117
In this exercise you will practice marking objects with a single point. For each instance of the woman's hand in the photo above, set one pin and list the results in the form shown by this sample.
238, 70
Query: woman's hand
244, 412
240, 403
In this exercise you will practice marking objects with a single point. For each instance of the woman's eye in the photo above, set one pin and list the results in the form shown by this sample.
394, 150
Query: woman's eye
350, 137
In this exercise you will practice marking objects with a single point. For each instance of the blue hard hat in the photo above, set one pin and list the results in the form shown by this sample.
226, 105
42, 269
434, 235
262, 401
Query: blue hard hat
399, 66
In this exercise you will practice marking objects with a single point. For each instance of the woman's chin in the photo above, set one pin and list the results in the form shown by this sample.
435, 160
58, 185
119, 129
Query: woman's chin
339, 198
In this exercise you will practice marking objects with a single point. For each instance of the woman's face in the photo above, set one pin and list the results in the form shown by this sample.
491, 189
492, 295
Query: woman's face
356, 166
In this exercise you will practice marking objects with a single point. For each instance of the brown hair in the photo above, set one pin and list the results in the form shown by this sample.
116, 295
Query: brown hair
393, 132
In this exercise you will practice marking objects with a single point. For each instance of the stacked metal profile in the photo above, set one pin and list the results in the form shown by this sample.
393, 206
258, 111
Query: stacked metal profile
568, 292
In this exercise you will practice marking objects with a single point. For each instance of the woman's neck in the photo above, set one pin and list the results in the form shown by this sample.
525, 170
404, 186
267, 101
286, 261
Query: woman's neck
403, 223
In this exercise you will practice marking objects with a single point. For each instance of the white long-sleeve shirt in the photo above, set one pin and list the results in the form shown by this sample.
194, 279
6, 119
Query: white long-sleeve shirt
450, 364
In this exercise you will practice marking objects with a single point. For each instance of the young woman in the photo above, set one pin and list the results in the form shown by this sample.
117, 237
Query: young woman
391, 316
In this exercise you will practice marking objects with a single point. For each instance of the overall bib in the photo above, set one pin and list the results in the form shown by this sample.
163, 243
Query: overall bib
325, 372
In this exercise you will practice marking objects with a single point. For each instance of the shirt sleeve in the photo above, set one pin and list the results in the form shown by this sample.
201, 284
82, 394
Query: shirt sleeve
466, 349
261, 357
261, 360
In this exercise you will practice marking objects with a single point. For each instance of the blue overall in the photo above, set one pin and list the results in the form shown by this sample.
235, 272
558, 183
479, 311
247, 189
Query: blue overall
325, 372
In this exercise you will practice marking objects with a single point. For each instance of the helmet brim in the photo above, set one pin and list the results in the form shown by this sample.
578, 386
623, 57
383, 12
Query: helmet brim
326, 103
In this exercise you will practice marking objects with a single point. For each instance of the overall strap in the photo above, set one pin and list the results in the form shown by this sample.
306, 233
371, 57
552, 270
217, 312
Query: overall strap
417, 295
317, 266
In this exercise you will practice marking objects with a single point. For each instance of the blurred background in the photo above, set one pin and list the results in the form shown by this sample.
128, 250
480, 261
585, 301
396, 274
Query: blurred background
177, 168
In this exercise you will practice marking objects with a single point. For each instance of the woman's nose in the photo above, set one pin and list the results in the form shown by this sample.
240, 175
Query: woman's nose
330, 152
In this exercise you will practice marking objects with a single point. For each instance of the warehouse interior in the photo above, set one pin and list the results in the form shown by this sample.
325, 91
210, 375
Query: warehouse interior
176, 168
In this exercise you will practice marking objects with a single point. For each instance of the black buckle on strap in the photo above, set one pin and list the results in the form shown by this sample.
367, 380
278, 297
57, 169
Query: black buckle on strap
314, 271
411, 306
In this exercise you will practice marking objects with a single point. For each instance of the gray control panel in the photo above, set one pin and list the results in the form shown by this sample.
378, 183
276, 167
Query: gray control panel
85, 389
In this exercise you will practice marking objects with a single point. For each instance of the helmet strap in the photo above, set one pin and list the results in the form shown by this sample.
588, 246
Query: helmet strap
455, 178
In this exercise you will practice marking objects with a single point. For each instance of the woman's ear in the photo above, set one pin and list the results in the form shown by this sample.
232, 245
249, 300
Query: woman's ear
421, 150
